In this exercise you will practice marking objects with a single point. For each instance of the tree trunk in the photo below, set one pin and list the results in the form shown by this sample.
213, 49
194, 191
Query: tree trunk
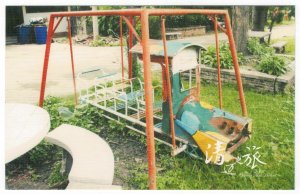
79, 23
259, 18
240, 25
81, 26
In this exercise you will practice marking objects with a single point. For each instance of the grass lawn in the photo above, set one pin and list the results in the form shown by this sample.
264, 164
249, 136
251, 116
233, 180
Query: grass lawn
284, 22
273, 132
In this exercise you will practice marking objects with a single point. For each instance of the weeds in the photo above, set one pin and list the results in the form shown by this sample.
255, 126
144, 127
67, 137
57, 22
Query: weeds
267, 61
209, 57
56, 177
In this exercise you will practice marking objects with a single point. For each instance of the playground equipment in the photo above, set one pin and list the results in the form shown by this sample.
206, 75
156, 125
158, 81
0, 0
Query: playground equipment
180, 119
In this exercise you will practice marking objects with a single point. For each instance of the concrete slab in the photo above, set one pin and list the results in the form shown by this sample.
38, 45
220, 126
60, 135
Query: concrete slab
93, 160
24, 64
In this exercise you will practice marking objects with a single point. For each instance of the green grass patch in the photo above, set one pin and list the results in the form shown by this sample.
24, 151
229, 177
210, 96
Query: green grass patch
273, 132
284, 22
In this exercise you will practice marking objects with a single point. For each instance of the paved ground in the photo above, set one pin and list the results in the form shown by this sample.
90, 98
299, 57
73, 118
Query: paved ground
23, 68
277, 32
23, 65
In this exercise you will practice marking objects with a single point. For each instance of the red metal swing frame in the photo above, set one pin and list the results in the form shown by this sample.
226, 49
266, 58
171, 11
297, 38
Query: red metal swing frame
143, 16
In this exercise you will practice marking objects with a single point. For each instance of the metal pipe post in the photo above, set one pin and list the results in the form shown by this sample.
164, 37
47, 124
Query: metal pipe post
46, 61
236, 64
149, 100
57, 24
130, 45
167, 71
72, 60
218, 62
121, 45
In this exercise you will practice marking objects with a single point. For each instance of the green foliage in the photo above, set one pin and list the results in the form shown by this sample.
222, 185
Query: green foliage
209, 57
56, 177
51, 105
256, 48
155, 27
272, 65
174, 22
270, 114
41, 153
279, 17
109, 25
186, 21
116, 126
98, 42
136, 68
88, 117
267, 61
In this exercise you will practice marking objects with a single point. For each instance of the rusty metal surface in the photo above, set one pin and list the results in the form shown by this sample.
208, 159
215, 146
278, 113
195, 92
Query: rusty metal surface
218, 62
236, 65
130, 45
149, 101
57, 24
72, 60
168, 82
46, 61
131, 27
121, 47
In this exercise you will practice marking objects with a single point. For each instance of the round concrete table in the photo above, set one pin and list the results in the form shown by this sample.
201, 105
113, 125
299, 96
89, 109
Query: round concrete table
25, 127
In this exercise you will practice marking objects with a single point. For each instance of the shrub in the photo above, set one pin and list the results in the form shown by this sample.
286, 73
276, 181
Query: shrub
209, 57
155, 27
272, 64
42, 153
267, 61
279, 17
56, 177
186, 21
256, 48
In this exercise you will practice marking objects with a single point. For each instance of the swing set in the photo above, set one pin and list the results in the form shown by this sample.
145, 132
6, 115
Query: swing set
181, 119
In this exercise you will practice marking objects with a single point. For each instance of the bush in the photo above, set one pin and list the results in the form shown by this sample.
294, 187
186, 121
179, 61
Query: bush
56, 177
279, 17
186, 21
273, 65
155, 27
256, 48
209, 57
267, 61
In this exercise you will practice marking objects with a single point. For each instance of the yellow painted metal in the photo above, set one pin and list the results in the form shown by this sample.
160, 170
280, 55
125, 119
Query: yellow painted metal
206, 105
213, 146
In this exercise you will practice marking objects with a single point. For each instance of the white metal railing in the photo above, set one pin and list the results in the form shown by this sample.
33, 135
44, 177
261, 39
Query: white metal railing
111, 91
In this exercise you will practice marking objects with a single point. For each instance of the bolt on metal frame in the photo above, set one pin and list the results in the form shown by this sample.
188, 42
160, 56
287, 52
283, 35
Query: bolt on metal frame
143, 16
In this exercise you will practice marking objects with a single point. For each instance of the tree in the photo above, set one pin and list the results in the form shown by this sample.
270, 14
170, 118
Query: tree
259, 17
79, 23
240, 26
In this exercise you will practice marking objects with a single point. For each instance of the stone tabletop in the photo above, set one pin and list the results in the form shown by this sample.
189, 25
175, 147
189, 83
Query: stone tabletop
25, 127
